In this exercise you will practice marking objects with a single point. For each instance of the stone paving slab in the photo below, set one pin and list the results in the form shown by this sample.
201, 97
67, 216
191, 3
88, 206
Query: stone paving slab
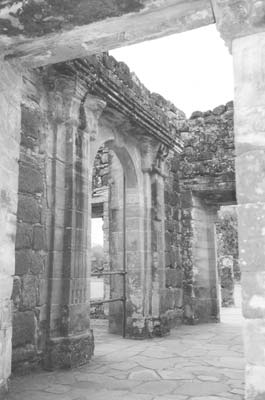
203, 362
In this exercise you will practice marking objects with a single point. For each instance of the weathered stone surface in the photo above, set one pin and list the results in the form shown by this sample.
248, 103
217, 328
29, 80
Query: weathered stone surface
23, 261
69, 352
28, 209
239, 19
39, 238
24, 328
29, 292
24, 236
10, 97
16, 294
30, 180
44, 33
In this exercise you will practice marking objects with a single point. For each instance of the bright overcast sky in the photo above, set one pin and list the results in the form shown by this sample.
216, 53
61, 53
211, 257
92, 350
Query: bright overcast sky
192, 69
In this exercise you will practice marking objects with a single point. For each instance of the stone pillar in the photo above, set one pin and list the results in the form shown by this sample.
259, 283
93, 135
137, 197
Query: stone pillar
249, 68
116, 243
74, 118
242, 24
10, 119
201, 294
154, 240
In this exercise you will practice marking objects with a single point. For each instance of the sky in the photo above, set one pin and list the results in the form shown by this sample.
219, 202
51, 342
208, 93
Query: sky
193, 69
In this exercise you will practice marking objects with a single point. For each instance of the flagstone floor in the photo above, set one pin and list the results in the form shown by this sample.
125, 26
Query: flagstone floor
203, 362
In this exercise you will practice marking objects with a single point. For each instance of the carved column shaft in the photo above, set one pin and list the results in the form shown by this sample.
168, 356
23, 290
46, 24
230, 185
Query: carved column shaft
74, 122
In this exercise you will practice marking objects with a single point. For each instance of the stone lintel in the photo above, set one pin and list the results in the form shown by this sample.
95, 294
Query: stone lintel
39, 33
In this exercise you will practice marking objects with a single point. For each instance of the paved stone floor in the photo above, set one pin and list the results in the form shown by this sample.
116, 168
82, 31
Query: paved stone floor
203, 362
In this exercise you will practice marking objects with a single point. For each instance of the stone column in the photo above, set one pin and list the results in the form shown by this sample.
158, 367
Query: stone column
154, 238
74, 119
249, 67
10, 98
242, 24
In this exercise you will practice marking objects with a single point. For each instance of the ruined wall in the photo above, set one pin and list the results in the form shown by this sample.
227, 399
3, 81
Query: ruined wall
31, 246
207, 179
207, 163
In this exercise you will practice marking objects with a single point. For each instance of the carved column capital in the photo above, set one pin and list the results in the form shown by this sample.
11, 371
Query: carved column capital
92, 109
147, 153
237, 18
65, 95
154, 156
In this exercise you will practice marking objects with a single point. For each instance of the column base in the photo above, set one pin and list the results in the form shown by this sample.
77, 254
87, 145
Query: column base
199, 311
3, 389
146, 327
69, 352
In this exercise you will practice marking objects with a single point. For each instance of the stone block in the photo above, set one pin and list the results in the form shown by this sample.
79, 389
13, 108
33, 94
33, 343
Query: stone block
28, 209
23, 261
37, 263
173, 278
39, 238
196, 114
25, 359
24, 328
69, 352
30, 122
30, 180
24, 236
29, 292
16, 294
219, 110
5, 314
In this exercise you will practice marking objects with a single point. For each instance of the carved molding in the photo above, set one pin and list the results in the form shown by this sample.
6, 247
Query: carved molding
93, 108
65, 96
237, 18
155, 156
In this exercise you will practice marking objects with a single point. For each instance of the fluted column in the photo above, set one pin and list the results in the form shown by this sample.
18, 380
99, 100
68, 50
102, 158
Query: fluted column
74, 115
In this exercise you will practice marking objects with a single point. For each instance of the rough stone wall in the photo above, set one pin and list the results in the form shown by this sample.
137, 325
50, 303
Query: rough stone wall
173, 292
207, 163
31, 247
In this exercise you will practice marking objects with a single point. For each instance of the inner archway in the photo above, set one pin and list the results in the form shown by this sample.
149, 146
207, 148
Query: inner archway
115, 199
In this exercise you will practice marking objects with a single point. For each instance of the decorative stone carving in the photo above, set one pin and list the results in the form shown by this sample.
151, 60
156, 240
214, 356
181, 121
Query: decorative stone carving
93, 108
237, 18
